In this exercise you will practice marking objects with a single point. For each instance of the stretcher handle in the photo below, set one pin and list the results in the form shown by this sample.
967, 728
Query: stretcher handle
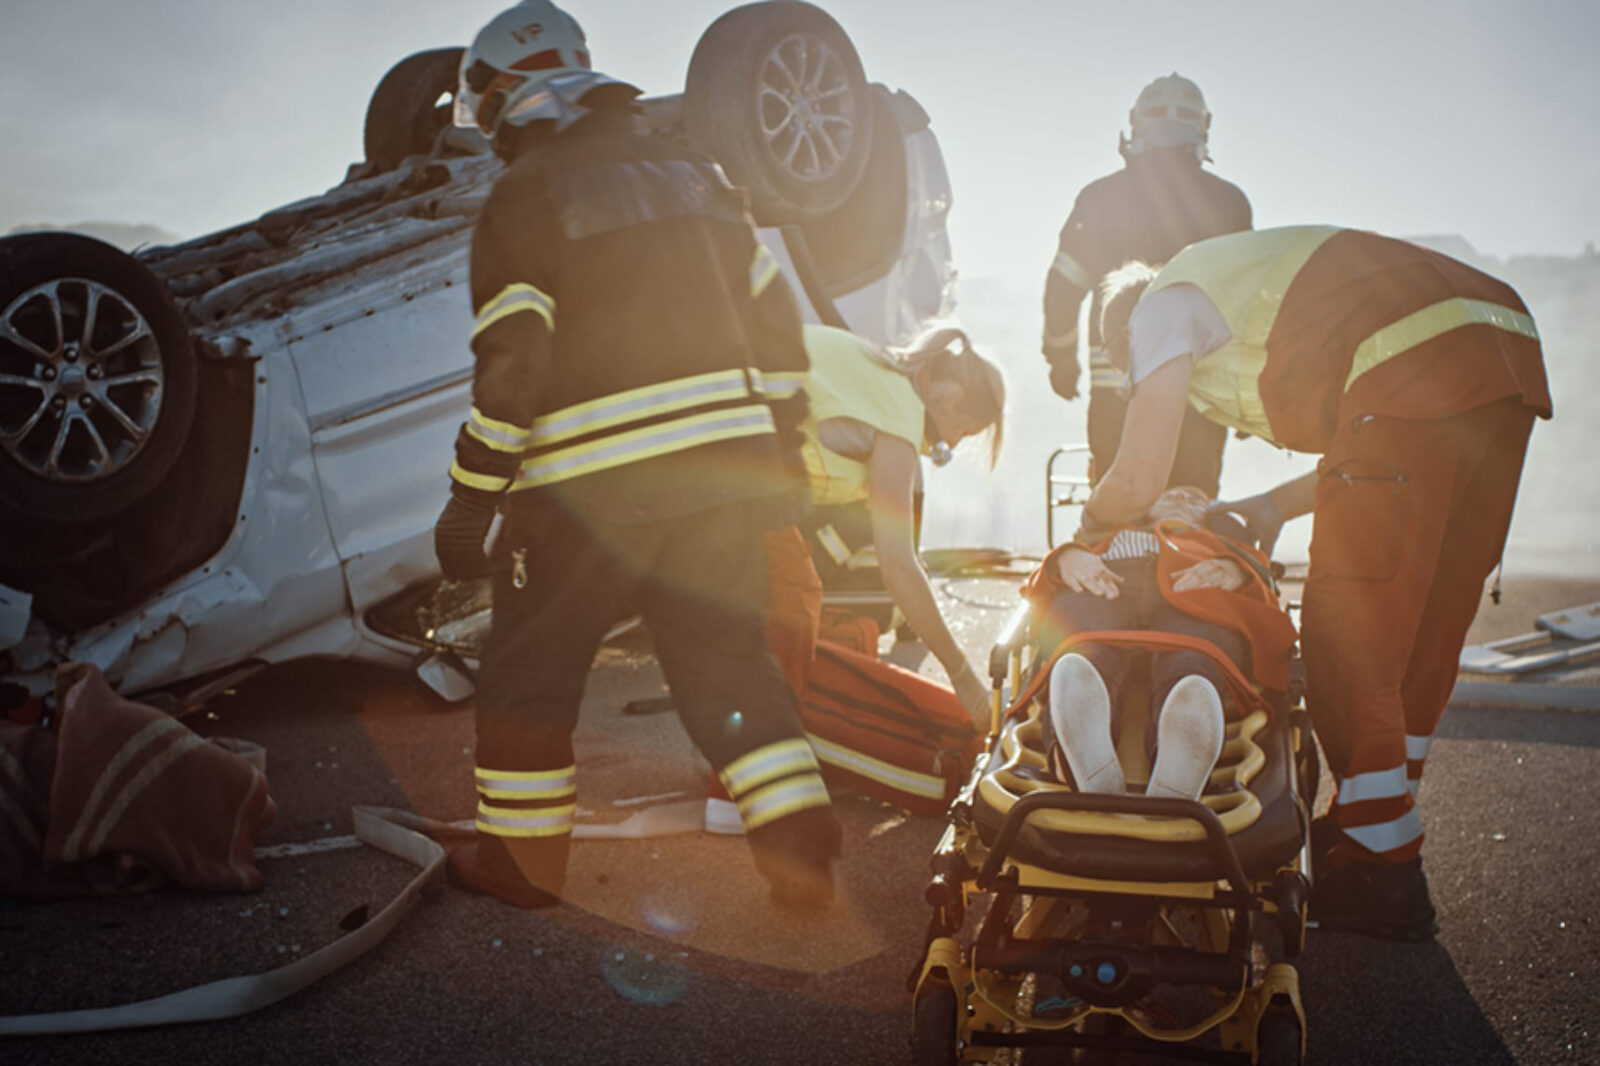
1012, 637
1109, 803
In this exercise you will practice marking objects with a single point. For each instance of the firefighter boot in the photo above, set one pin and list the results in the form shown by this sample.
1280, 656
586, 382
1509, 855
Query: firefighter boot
1385, 900
524, 873
1188, 739
1080, 714
796, 855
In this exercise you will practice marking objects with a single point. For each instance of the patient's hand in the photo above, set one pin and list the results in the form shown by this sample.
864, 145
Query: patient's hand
1225, 574
1083, 571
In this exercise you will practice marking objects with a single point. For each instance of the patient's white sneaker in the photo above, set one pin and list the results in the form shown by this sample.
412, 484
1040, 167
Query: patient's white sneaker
1080, 712
1188, 739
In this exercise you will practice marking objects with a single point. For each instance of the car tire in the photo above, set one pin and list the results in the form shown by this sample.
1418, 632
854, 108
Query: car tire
407, 109
776, 94
97, 379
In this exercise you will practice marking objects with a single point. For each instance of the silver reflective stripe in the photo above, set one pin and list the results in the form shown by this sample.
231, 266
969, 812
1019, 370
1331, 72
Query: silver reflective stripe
636, 404
1070, 269
1387, 836
1379, 784
511, 822
782, 799
779, 384
131, 749
1069, 339
502, 436
646, 443
544, 784
1417, 747
756, 768
885, 773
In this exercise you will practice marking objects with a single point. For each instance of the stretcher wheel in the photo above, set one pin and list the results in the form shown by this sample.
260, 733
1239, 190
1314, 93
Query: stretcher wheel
933, 1034
1279, 1039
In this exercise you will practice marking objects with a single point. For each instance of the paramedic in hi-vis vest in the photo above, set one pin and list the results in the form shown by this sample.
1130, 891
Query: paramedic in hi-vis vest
1417, 380
1161, 200
635, 417
872, 415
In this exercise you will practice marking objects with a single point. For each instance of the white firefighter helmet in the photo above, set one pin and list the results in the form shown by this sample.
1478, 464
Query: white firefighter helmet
531, 61
1170, 112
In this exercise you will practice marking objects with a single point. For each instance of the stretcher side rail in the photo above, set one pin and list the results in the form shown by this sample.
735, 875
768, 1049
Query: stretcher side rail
1228, 866
1013, 638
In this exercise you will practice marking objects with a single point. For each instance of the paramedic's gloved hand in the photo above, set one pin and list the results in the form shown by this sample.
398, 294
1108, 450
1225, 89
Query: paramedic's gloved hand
1064, 374
1262, 522
1083, 571
458, 538
971, 691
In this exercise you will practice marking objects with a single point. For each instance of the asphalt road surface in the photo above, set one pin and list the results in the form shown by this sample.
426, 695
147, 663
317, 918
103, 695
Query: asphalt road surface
669, 951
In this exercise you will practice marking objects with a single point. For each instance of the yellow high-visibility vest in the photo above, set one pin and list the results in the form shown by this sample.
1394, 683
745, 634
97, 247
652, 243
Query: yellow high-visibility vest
846, 381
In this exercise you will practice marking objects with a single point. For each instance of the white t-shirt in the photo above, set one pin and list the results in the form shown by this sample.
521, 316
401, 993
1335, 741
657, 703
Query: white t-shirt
1170, 323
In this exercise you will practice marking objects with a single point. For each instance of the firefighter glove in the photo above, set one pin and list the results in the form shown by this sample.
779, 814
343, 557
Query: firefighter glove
1261, 518
458, 538
1064, 374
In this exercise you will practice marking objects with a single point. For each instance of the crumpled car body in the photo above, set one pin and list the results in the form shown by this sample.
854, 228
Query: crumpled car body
339, 328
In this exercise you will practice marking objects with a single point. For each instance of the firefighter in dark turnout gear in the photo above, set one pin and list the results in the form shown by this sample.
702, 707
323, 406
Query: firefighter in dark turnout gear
1161, 201
638, 384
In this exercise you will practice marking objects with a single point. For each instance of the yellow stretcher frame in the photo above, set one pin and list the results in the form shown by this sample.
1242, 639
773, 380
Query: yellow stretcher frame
1261, 1020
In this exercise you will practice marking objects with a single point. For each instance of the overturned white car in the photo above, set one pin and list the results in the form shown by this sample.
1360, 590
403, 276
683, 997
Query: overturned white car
230, 452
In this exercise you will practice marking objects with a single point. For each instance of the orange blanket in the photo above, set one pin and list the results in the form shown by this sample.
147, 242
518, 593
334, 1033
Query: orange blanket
1251, 610
123, 798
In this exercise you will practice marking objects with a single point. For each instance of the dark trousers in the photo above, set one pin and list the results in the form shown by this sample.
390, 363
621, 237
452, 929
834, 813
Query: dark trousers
699, 580
1139, 606
1199, 458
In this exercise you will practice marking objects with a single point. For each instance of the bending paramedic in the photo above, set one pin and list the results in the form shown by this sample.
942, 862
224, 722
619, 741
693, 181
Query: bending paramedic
635, 418
872, 414
1417, 379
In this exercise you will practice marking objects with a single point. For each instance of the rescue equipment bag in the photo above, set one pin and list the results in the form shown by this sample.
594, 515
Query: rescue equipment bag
887, 732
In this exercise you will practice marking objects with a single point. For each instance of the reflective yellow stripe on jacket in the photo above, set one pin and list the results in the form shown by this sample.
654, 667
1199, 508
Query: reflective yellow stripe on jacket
513, 299
1428, 323
634, 446
1247, 275
650, 401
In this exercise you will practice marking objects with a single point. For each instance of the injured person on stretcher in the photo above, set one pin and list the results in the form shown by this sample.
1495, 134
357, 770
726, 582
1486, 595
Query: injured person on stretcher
1168, 574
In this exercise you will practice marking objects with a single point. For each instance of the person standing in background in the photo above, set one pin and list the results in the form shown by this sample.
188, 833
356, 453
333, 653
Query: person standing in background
1160, 201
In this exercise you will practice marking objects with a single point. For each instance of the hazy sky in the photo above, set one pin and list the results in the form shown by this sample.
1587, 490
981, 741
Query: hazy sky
1466, 117
1410, 117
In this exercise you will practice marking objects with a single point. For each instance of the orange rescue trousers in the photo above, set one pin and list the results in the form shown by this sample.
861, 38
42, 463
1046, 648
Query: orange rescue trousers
1411, 517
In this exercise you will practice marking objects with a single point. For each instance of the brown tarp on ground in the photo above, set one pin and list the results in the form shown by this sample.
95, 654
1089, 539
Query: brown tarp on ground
124, 798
